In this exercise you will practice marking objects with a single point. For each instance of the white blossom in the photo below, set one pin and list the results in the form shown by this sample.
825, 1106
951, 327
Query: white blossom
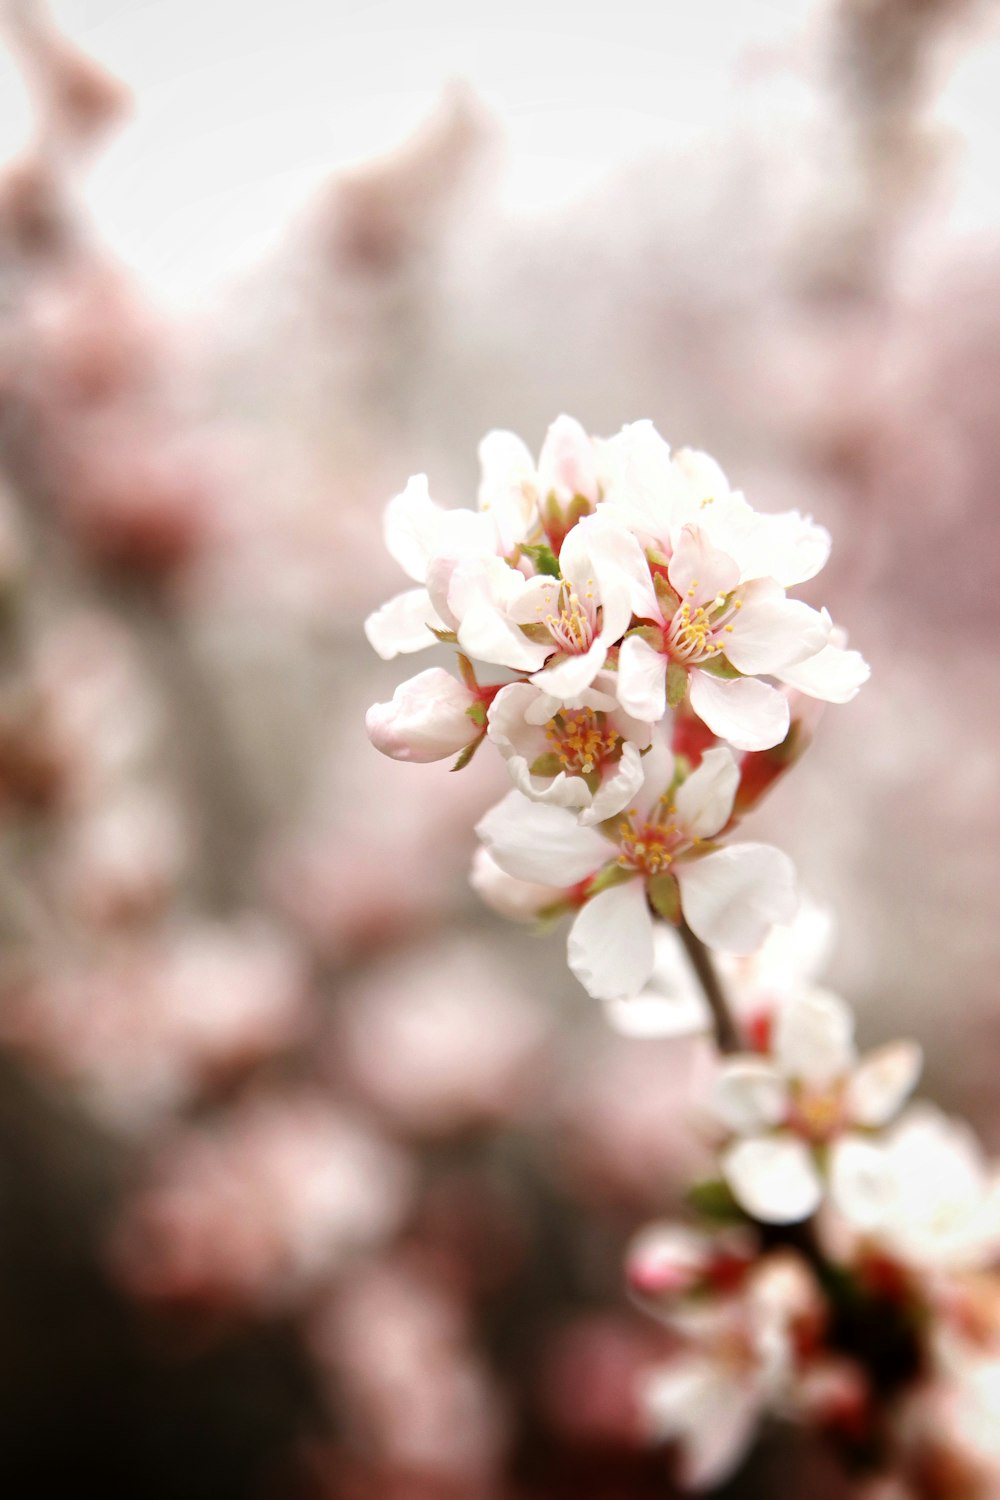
810, 1096
925, 1192
427, 718
583, 755
739, 1364
659, 851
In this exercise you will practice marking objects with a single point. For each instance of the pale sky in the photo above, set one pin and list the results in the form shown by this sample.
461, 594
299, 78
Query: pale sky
243, 105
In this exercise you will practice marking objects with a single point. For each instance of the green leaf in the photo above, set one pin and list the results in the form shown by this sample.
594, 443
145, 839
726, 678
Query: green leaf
464, 756
548, 764
664, 896
544, 559
714, 1200
477, 713
677, 684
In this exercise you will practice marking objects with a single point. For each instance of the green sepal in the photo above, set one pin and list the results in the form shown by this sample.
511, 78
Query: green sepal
720, 666
447, 637
477, 713
648, 633
548, 916
548, 764
664, 896
612, 874
667, 597
464, 756
544, 558
714, 1200
677, 684
468, 672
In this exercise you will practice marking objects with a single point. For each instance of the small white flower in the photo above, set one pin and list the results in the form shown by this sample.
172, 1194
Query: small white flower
418, 534
427, 718
659, 851
585, 755
739, 1365
925, 1192
558, 628
811, 1095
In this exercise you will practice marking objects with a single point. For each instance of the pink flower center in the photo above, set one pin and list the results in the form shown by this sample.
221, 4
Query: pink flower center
697, 632
818, 1114
574, 626
651, 846
582, 739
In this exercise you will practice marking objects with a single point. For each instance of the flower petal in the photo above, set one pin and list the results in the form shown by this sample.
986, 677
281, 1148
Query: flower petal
642, 680
749, 1095
704, 801
567, 464
698, 571
569, 676
771, 632
730, 898
426, 720
618, 789
774, 1178
862, 1187
750, 714
520, 900
401, 625
546, 845
833, 674
882, 1081
787, 547
707, 1410
814, 1038
610, 948
417, 530
673, 1002
507, 490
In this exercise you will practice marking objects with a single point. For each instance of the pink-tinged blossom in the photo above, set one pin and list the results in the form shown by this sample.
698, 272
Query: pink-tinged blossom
925, 1193
426, 719
437, 1045
806, 1101
583, 755
560, 629
659, 851
262, 1205
716, 619
521, 499
418, 533
739, 1364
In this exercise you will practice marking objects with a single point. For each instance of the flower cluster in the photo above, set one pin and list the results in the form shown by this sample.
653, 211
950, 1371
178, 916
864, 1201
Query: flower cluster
651, 673
650, 680
840, 1275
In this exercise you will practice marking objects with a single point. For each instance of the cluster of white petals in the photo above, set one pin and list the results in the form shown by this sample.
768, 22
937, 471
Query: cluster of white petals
603, 590
801, 1110
740, 1321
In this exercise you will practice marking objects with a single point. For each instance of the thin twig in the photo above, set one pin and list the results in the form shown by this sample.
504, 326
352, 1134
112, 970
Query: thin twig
726, 1033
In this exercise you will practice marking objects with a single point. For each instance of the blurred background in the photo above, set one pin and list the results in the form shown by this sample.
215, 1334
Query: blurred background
315, 1175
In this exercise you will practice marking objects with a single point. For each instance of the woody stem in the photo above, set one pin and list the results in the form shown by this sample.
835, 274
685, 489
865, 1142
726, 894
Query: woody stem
726, 1034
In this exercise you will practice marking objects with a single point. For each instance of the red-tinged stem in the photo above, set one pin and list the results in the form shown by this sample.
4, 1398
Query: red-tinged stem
726, 1034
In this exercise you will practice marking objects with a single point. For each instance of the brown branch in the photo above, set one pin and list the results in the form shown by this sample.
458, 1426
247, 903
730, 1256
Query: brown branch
726, 1033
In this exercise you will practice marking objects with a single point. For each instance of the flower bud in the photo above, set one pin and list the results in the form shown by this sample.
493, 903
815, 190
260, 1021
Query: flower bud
427, 719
